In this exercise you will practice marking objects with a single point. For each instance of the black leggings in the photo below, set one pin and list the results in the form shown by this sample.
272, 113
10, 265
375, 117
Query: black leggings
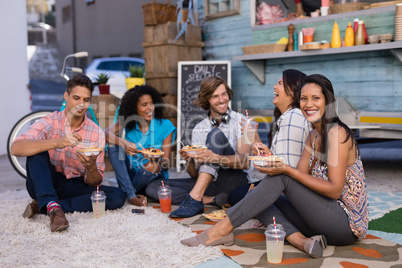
308, 211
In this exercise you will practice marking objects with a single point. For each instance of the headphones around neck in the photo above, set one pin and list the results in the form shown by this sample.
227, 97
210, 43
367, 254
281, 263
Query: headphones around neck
225, 118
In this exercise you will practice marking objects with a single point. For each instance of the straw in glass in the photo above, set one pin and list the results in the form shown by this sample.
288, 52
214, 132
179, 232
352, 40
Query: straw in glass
276, 231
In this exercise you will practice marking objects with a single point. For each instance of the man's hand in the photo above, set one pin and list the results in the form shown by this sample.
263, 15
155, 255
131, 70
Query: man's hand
72, 140
184, 155
205, 156
89, 162
130, 148
140, 201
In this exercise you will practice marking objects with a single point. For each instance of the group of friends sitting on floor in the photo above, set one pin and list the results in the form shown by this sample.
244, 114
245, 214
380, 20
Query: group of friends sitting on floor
318, 192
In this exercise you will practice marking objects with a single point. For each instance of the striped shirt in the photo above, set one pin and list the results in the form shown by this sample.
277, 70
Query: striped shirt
290, 137
56, 125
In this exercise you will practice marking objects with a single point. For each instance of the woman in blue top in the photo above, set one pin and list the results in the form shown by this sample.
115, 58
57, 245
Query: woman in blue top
142, 118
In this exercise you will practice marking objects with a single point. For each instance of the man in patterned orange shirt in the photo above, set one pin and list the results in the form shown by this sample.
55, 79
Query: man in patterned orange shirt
60, 179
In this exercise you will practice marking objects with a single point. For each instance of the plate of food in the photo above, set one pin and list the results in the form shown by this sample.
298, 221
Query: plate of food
216, 215
264, 160
152, 152
88, 151
192, 149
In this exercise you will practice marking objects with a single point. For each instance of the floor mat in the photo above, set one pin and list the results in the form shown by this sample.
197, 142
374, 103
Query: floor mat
249, 249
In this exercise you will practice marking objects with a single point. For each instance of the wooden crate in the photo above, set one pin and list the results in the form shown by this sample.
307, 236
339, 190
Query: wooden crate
163, 58
167, 32
105, 121
165, 85
170, 105
104, 105
162, 52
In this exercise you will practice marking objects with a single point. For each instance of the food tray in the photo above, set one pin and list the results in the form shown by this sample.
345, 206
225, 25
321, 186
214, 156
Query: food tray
266, 48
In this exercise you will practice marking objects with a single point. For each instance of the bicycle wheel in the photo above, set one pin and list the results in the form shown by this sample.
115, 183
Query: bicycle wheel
19, 128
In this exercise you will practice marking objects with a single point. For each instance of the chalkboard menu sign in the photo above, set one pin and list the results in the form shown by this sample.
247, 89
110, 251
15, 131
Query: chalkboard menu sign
190, 75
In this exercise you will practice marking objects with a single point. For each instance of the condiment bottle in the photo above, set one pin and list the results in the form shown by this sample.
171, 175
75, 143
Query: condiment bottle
349, 36
291, 29
336, 37
355, 25
300, 39
295, 46
365, 32
359, 38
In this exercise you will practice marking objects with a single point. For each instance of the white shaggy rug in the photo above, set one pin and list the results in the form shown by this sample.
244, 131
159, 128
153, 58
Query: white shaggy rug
120, 239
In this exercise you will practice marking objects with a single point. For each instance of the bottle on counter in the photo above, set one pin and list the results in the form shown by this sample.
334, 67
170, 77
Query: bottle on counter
349, 36
295, 45
355, 25
300, 39
359, 37
336, 37
291, 29
364, 32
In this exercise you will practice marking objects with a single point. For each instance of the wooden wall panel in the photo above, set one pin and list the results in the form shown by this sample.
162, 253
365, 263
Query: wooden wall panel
369, 81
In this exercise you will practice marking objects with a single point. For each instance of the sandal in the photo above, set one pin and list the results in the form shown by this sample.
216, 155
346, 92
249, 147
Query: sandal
315, 246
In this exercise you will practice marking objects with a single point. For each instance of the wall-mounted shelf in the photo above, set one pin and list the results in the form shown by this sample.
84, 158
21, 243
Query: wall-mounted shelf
256, 62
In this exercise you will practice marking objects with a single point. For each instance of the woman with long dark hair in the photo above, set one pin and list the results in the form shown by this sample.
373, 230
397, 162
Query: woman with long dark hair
288, 133
142, 117
325, 197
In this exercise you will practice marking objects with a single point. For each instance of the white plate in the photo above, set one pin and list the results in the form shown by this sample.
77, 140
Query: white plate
260, 163
90, 152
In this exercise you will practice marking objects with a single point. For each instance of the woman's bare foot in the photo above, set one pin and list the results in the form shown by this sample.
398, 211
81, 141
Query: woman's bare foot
219, 230
140, 201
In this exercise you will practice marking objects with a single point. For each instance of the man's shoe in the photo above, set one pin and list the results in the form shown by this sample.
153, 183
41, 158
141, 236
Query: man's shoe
188, 208
31, 210
58, 221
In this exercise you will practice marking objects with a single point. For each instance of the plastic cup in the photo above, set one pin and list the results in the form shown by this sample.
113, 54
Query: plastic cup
275, 239
165, 198
98, 203
278, 227
249, 130
308, 38
324, 10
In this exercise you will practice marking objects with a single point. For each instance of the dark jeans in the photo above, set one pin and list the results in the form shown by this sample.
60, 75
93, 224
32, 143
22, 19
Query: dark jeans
45, 184
309, 212
227, 178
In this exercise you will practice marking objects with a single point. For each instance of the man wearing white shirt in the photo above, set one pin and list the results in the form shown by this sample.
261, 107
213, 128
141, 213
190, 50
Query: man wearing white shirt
221, 168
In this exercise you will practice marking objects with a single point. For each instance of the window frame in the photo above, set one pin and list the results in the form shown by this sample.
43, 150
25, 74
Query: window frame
236, 10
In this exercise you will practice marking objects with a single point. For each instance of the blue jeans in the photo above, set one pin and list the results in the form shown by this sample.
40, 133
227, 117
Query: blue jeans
45, 184
227, 179
129, 180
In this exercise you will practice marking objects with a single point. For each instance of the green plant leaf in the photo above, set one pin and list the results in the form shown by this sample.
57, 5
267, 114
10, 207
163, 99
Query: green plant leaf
102, 78
136, 71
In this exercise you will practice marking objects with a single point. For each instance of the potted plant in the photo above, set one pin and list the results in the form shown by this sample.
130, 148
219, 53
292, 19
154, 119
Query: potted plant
102, 79
136, 77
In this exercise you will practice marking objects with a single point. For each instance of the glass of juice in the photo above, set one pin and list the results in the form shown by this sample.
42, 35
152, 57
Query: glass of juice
98, 203
275, 239
165, 198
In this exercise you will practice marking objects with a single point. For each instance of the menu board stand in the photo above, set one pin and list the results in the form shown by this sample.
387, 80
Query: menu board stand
190, 75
